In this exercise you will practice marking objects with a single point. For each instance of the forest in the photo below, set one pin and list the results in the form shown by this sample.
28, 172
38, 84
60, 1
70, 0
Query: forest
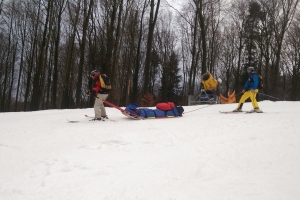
152, 50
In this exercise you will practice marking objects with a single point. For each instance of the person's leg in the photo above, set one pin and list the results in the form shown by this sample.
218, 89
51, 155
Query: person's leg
254, 102
97, 107
102, 108
245, 96
253, 99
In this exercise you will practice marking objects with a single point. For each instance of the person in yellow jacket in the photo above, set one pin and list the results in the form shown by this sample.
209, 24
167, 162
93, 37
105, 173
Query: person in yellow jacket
250, 90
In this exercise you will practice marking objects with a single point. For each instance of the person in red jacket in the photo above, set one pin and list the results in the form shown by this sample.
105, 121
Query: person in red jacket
95, 90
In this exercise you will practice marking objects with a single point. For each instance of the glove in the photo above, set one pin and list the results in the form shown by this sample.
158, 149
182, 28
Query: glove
91, 93
253, 91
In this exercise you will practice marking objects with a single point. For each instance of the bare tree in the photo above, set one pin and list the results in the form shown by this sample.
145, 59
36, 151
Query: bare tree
37, 81
1, 4
292, 58
87, 10
281, 12
74, 18
134, 93
152, 22
60, 6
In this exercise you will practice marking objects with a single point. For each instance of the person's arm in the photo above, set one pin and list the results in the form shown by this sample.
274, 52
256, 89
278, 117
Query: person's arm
246, 86
96, 85
91, 89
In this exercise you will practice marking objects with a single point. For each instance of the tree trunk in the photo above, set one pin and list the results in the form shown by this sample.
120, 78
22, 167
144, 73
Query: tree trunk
203, 37
12, 76
36, 91
135, 85
23, 37
87, 14
237, 75
1, 3
6, 71
116, 45
194, 57
152, 22
107, 68
65, 102
56, 51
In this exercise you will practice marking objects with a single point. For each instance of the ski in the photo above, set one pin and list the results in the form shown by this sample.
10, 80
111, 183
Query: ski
135, 117
249, 112
231, 112
243, 112
87, 116
101, 120
72, 121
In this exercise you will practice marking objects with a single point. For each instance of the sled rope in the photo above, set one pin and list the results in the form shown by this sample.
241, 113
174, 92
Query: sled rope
198, 109
268, 96
124, 112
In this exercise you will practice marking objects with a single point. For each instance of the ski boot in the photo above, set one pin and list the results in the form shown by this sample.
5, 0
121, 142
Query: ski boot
104, 117
237, 110
256, 110
96, 119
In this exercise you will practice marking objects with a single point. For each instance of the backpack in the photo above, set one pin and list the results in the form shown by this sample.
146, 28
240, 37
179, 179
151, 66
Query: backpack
104, 83
260, 82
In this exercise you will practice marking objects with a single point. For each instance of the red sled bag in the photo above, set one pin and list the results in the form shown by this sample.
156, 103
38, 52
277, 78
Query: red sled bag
165, 106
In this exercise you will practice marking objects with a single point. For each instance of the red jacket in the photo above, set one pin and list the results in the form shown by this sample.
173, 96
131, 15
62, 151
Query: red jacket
94, 84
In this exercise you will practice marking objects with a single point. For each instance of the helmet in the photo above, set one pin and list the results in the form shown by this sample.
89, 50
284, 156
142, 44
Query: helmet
251, 69
94, 72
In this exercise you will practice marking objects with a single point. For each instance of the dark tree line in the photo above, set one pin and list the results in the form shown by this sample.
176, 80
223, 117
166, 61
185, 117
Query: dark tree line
263, 30
146, 47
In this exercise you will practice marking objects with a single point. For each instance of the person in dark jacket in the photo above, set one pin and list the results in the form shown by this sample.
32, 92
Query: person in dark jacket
96, 91
250, 90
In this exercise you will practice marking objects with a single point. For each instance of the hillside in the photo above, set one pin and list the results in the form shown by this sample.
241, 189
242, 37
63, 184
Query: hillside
203, 155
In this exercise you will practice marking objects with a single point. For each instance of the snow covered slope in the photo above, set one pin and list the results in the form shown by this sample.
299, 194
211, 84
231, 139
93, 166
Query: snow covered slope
204, 155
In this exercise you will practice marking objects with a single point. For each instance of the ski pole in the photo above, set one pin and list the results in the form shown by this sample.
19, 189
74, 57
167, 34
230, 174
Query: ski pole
198, 109
268, 96
238, 94
108, 103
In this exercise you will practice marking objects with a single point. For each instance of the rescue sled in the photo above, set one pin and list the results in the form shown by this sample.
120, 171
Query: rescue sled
163, 110
134, 111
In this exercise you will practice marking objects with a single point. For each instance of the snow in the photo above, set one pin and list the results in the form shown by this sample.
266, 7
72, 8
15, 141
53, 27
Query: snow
203, 155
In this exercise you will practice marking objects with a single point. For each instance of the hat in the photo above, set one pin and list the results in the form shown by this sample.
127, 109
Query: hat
94, 72
251, 69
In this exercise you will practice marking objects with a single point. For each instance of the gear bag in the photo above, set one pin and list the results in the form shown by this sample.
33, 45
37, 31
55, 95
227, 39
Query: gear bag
104, 83
260, 81
165, 106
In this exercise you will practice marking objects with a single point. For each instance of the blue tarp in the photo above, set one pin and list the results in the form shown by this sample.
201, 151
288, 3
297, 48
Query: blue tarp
153, 113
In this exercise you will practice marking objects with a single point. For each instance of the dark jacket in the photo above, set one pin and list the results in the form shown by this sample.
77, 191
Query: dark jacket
252, 82
95, 85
